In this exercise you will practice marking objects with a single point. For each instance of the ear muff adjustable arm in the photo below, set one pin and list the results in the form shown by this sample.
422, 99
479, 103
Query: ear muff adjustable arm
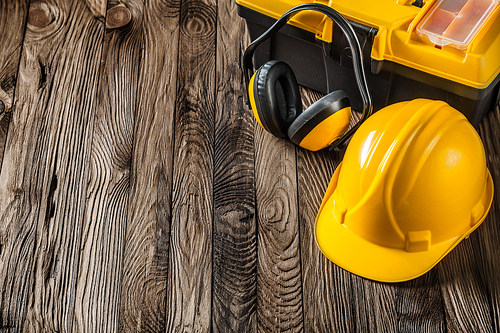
357, 57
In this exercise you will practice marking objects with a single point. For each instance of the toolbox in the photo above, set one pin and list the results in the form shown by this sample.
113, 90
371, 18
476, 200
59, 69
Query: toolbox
439, 49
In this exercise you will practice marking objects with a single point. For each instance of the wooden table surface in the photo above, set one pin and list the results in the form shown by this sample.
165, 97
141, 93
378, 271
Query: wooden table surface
137, 193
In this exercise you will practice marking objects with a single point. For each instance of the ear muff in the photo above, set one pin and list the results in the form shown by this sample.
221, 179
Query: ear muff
275, 98
323, 122
276, 121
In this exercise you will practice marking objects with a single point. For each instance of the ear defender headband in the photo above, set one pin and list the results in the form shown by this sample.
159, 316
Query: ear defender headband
274, 96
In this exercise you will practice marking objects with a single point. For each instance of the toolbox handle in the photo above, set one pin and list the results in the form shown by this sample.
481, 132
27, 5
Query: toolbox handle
357, 58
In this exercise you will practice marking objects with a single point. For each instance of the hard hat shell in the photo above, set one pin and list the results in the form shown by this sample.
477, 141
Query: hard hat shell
412, 185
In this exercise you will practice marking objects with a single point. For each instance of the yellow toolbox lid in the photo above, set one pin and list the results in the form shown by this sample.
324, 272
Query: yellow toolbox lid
458, 40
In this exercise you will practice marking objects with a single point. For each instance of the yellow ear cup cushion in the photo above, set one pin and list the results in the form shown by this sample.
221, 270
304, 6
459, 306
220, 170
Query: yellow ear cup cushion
327, 131
253, 104
323, 122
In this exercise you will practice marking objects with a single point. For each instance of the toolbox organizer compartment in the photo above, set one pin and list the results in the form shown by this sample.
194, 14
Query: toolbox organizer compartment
455, 22
327, 66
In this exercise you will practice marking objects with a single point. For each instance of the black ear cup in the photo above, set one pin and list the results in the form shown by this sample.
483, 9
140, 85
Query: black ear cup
317, 117
277, 97
277, 107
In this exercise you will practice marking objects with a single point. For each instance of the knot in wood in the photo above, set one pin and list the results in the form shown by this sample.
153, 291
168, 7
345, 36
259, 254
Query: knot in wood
199, 20
118, 16
5, 101
39, 16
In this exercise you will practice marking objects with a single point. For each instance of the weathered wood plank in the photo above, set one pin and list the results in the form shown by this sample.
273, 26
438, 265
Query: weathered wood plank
235, 237
469, 274
327, 289
44, 175
374, 305
465, 301
146, 252
489, 232
279, 285
189, 286
103, 235
97, 7
419, 304
12, 24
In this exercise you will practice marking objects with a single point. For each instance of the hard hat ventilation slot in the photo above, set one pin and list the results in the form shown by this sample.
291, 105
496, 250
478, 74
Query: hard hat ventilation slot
418, 241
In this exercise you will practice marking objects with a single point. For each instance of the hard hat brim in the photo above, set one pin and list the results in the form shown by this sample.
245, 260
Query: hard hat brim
371, 261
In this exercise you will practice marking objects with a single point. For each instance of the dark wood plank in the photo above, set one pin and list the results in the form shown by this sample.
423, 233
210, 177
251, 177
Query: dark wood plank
12, 24
419, 304
337, 301
465, 299
327, 288
43, 182
98, 8
146, 253
189, 286
103, 235
279, 285
235, 238
489, 232
469, 273
375, 305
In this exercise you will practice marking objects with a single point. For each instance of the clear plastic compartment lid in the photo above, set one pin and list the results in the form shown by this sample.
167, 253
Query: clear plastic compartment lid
455, 22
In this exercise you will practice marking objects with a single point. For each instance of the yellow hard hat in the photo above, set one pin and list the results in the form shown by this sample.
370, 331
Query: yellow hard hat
412, 185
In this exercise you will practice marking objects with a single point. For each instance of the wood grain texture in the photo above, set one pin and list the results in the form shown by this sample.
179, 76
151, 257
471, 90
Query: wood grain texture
138, 194
44, 175
472, 267
327, 288
489, 232
97, 7
419, 304
146, 252
279, 284
103, 235
189, 288
118, 16
235, 237
12, 19
374, 305
459, 274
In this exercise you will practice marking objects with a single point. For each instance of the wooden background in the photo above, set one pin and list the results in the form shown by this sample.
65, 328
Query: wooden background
138, 195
